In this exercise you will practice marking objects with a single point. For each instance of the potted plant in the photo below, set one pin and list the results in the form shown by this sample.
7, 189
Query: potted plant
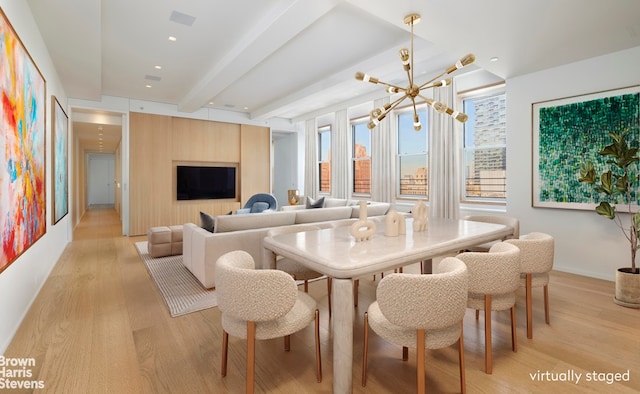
618, 185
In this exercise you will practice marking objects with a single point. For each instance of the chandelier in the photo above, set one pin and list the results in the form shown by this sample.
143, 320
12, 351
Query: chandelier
413, 91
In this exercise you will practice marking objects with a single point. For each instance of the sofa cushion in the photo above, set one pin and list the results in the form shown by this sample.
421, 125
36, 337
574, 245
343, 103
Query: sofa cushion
259, 206
207, 221
330, 202
311, 203
373, 209
322, 215
226, 223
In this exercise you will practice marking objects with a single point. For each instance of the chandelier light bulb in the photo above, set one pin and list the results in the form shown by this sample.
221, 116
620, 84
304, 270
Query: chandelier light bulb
417, 126
404, 56
439, 106
444, 82
392, 90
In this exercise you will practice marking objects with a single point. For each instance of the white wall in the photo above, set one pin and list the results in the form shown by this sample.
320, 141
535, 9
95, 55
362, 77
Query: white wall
21, 281
586, 243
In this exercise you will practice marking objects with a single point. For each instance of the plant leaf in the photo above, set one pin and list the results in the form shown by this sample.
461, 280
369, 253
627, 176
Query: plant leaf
606, 210
587, 173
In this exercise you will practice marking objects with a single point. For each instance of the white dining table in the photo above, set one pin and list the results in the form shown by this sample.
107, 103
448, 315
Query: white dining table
335, 253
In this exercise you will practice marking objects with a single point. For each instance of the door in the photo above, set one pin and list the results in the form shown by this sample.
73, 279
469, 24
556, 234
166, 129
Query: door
101, 179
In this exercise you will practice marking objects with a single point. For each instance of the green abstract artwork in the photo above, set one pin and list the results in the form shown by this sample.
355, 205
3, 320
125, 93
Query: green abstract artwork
569, 132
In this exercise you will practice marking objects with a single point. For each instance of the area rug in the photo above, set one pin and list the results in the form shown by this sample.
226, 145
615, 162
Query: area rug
181, 291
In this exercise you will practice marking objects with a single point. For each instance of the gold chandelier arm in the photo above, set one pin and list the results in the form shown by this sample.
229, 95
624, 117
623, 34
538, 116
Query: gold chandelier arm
424, 85
395, 88
442, 108
440, 84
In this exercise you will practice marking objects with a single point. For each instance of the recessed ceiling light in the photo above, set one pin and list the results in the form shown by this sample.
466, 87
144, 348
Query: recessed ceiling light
147, 86
158, 67
494, 59
172, 38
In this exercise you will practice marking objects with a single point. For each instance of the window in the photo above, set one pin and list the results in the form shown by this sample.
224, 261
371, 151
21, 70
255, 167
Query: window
361, 157
485, 145
412, 155
324, 159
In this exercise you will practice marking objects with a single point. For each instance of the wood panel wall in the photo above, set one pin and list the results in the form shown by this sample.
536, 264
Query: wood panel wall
159, 143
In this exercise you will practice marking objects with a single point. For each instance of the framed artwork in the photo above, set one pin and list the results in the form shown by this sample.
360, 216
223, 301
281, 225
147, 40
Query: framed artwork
569, 132
22, 147
59, 158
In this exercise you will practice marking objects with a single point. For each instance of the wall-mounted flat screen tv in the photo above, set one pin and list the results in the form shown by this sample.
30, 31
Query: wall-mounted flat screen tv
205, 183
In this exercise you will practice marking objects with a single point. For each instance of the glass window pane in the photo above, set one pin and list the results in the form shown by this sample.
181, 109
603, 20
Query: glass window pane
362, 176
324, 145
485, 138
361, 140
409, 140
413, 175
486, 173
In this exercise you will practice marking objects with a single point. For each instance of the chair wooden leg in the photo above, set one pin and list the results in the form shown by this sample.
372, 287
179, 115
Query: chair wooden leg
306, 286
365, 348
420, 350
318, 356
287, 343
488, 346
356, 284
477, 314
329, 294
546, 304
405, 353
529, 307
225, 349
514, 334
463, 380
251, 356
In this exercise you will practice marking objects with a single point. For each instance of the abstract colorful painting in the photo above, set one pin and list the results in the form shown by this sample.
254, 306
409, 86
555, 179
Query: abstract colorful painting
569, 132
22, 147
60, 121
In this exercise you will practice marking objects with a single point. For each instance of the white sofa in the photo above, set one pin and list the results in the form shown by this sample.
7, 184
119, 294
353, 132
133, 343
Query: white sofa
201, 248
373, 208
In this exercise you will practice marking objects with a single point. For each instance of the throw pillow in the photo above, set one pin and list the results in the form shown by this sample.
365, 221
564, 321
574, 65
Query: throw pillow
207, 221
311, 203
259, 206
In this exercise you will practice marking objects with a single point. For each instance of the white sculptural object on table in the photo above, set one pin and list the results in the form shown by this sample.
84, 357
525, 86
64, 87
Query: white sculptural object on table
363, 228
394, 224
419, 214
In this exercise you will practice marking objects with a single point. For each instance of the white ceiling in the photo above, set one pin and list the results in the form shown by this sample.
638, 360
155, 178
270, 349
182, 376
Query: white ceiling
288, 58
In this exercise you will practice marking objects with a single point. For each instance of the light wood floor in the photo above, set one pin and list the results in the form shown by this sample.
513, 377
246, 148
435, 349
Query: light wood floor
100, 326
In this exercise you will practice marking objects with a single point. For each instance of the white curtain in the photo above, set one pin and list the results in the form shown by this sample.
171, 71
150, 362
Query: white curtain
444, 167
311, 158
383, 153
341, 155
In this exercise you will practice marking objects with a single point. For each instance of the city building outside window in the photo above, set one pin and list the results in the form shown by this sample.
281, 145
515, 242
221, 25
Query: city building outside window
324, 159
485, 145
361, 157
413, 168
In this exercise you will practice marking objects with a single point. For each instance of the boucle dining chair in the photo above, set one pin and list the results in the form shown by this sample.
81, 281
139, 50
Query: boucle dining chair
494, 277
260, 304
421, 311
293, 268
497, 219
536, 261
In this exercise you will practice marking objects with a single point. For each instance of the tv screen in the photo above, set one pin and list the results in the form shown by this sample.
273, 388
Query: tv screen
205, 183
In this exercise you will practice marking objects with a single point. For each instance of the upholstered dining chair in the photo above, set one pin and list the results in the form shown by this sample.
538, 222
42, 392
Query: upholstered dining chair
293, 268
498, 219
421, 311
260, 304
494, 278
536, 260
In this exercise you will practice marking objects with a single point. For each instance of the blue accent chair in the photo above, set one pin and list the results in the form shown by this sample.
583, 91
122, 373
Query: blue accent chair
259, 203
